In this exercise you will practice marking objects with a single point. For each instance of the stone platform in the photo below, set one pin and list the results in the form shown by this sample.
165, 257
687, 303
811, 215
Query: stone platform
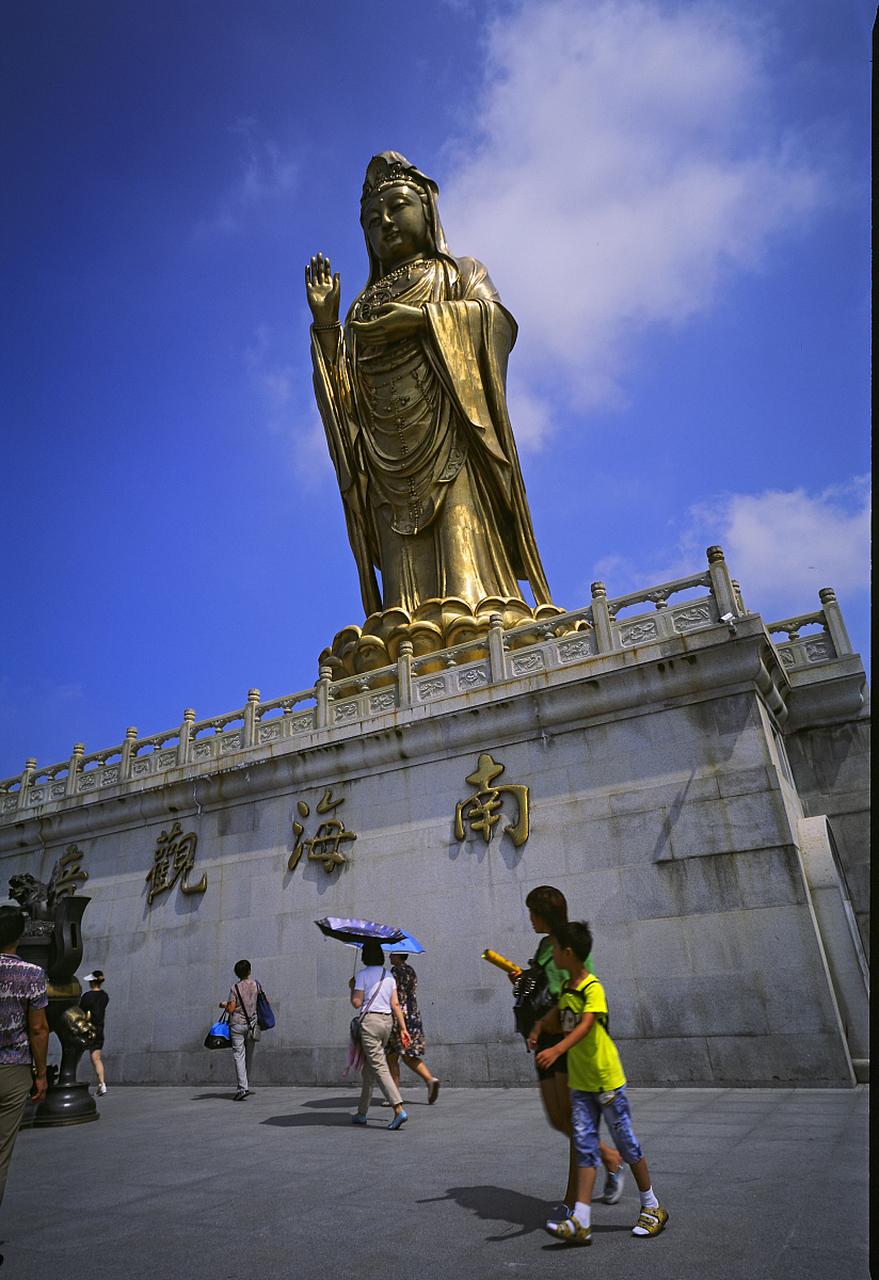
671, 772
463, 1188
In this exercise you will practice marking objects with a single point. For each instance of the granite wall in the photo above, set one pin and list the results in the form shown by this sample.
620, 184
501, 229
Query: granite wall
661, 804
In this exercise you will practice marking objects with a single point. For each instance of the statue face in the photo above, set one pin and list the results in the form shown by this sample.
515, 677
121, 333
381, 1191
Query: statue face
396, 226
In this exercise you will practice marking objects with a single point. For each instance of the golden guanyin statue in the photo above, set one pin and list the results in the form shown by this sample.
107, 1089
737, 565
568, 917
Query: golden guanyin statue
412, 393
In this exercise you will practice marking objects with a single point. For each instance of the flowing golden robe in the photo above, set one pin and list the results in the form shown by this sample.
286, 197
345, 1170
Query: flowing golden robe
421, 441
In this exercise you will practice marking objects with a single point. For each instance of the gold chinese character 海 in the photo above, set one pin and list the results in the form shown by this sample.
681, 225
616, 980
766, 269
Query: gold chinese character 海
486, 801
174, 859
324, 844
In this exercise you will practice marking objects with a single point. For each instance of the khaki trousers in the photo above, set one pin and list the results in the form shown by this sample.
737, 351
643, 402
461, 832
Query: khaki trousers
376, 1030
16, 1083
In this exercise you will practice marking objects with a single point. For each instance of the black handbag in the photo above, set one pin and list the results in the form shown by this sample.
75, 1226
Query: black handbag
218, 1037
532, 998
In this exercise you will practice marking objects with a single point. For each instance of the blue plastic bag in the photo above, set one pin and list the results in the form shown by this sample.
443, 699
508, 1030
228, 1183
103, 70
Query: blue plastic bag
218, 1037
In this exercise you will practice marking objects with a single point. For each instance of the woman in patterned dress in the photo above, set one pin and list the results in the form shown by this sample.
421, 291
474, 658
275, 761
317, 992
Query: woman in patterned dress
414, 1055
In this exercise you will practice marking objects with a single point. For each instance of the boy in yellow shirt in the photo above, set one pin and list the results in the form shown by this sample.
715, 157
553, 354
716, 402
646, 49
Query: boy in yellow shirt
597, 1084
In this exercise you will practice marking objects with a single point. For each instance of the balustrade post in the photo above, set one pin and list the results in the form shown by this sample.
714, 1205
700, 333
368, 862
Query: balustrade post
834, 622
127, 748
601, 618
184, 742
721, 583
322, 693
26, 779
737, 591
250, 721
404, 673
497, 658
73, 767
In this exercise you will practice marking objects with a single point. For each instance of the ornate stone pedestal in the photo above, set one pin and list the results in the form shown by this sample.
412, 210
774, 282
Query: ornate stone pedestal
56, 946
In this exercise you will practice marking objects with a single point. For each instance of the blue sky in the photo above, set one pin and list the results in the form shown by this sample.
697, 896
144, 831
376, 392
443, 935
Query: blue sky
671, 198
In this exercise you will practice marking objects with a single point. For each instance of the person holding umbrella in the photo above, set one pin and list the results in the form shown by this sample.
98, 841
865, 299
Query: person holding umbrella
375, 990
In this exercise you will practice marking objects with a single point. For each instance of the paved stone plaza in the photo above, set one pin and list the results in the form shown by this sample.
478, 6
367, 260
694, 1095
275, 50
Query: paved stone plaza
762, 1183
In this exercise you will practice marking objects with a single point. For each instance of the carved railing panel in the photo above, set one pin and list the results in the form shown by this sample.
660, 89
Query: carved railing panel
502, 655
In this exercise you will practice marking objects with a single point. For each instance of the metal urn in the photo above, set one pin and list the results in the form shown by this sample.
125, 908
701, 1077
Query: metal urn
53, 940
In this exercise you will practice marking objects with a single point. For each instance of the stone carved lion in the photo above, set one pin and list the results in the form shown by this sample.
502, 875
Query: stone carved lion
36, 899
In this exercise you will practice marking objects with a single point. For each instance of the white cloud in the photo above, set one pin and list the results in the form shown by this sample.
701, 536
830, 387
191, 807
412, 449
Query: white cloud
284, 390
266, 171
781, 546
627, 158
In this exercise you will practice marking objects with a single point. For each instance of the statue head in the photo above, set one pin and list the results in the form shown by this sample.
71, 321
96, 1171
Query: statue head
390, 175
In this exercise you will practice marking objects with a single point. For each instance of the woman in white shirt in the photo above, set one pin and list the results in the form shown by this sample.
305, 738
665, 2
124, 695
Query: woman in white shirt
376, 989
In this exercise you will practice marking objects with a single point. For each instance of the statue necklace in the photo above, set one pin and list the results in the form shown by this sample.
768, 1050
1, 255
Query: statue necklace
385, 289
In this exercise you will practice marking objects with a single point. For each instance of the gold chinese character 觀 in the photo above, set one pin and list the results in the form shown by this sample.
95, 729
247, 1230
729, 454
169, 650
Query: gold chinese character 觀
174, 860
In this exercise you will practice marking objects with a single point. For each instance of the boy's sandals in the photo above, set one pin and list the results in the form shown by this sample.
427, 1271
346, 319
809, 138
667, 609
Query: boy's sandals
650, 1222
569, 1230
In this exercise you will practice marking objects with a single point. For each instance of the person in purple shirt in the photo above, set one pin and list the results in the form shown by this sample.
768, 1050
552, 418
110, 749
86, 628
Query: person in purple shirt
24, 1034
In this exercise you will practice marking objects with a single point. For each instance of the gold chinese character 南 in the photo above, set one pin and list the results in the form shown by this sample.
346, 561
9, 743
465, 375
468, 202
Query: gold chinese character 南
324, 845
174, 860
486, 802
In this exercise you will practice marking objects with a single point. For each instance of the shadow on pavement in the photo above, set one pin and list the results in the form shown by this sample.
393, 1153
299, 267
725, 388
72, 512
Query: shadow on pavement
213, 1097
298, 1122
499, 1204
324, 1104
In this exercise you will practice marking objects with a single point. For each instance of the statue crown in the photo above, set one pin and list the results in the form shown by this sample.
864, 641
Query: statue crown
380, 174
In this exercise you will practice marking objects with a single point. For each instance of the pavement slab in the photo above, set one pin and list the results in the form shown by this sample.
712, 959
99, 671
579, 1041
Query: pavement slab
183, 1182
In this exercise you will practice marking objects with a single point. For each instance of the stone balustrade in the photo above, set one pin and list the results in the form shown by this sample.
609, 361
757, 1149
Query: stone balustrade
831, 641
582, 635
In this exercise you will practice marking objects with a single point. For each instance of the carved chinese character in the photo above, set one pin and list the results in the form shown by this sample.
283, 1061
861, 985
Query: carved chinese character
66, 872
174, 860
483, 816
324, 844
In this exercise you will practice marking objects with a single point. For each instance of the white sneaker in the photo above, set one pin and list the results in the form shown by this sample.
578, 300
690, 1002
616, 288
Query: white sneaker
101, 1089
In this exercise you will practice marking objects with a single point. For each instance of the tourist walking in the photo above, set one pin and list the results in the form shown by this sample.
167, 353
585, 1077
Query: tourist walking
243, 1030
407, 982
94, 1003
375, 991
24, 1035
548, 911
597, 1086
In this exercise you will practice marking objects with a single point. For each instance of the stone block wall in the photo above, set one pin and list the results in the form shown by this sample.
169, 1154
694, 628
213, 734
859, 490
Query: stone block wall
659, 804
831, 764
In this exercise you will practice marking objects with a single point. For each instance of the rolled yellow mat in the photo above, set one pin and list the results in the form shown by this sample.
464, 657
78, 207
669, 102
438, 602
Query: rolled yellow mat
507, 965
